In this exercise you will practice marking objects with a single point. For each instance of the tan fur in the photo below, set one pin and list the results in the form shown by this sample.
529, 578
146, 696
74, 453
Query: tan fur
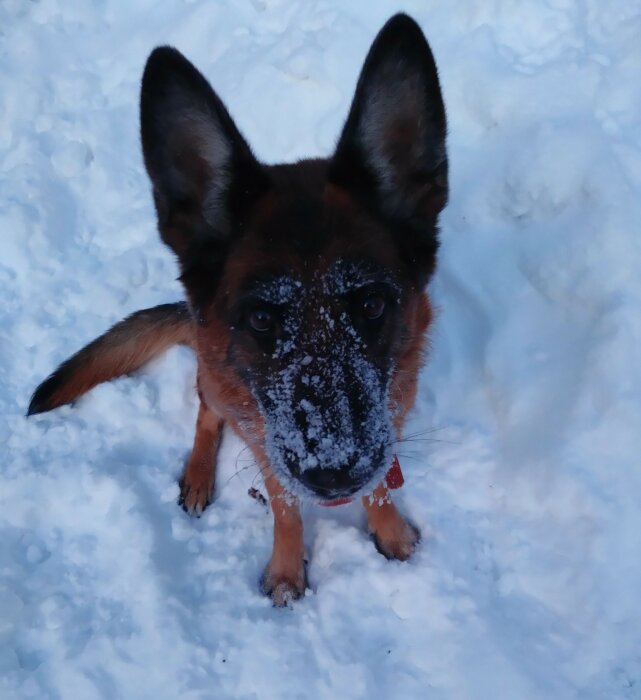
284, 578
394, 536
198, 479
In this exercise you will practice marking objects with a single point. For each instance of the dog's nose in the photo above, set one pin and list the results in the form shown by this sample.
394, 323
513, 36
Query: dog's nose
328, 483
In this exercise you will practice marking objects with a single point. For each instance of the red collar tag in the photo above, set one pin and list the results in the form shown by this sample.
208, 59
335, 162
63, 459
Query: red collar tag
393, 480
394, 477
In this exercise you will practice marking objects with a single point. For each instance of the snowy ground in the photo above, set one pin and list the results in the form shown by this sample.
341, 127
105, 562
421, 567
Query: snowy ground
527, 584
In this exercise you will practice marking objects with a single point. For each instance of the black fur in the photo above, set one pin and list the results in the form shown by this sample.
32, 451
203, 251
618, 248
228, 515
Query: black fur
203, 173
41, 400
392, 151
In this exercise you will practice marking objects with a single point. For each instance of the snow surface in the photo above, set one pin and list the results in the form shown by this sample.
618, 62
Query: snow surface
527, 583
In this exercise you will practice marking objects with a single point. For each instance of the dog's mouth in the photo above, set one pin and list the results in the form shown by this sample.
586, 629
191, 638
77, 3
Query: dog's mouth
329, 485
332, 495
335, 491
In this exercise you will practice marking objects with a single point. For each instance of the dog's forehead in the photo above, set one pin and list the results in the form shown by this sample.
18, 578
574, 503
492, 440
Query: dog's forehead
336, 279
307, 234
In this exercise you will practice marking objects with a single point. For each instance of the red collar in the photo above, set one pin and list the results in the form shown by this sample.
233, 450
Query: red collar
393, 480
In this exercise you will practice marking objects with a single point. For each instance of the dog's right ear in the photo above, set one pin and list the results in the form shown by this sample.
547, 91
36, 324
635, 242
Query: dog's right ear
202, 170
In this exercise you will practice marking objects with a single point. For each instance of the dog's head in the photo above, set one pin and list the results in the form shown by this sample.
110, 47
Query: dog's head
306, 279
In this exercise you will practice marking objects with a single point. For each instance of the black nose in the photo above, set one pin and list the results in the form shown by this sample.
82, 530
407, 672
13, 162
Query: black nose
328, 483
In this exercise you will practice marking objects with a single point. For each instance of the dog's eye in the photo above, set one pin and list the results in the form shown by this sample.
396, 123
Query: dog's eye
373, 307
261, 320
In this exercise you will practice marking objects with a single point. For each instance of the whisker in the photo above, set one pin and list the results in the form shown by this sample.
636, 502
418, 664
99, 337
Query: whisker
260, 472
425, 431
409, 457
238, 471
402, 441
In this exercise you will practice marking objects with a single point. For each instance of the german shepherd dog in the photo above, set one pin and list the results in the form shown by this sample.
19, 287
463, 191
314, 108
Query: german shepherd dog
305, 283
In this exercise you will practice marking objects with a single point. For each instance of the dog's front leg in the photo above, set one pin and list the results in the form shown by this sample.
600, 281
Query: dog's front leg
394, 537
197, 481
284, 578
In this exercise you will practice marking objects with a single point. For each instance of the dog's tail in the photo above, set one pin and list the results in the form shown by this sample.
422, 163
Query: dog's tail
123, 349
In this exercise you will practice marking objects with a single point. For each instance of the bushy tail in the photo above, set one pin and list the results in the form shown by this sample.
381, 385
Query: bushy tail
121, 350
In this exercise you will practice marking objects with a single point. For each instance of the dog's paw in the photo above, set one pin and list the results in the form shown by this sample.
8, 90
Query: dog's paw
398, 540
284, 588
194, 497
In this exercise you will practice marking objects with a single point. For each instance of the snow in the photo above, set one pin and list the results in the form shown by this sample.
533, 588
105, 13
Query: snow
527, 487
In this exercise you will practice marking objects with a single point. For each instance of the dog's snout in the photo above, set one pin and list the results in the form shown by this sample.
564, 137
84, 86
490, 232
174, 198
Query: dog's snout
328, 482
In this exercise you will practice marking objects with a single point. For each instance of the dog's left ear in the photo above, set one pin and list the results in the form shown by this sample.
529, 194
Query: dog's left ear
392, 151
204, 174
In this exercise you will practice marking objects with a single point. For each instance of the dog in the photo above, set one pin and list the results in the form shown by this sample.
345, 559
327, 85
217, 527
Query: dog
305, 285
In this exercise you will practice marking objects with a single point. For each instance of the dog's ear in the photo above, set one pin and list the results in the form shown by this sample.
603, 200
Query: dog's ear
392, 151
202, 170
